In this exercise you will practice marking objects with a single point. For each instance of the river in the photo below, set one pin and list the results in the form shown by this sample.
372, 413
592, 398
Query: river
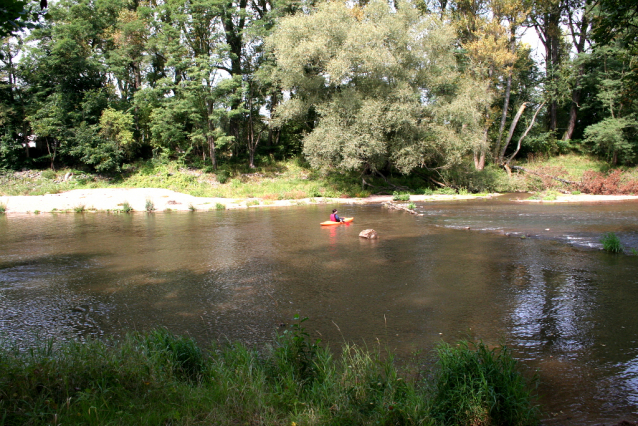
531, 276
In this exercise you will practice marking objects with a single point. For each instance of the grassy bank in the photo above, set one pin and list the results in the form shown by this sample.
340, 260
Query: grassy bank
294, 180
158, 378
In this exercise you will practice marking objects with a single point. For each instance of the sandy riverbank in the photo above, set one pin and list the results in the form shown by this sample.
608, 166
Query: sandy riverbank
104, 199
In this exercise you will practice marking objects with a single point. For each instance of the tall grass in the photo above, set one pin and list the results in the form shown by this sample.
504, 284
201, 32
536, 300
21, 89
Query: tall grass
479, 386
160, 378
611, 243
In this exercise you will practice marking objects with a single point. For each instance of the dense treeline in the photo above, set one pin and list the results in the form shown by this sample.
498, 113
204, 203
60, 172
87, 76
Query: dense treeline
369, 86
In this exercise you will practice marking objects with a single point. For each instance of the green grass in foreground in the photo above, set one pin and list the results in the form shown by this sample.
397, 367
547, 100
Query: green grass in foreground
158, 378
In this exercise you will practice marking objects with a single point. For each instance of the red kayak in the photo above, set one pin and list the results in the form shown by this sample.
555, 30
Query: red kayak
330, 222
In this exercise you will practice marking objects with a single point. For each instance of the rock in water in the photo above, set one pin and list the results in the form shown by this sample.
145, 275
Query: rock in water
368, 233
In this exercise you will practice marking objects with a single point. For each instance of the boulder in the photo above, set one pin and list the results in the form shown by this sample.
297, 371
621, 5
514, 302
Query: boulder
368, 233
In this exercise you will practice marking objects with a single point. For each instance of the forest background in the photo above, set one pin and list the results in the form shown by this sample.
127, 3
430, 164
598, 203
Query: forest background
419, 93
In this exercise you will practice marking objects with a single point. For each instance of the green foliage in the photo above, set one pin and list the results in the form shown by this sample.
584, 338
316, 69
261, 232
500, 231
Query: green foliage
48, 174
479, 386
411, 206
160, 378
126, 207
3, 208
150, 206
222, 176
180, 355
383, 87
400, 197
611, 243
79, 209
614, 138
220, 206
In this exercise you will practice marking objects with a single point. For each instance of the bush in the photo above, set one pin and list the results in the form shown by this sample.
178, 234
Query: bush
3, 208
222, 176
400, 197
48, 174
126, 207
615, 182
611, 243
478, 386
150, 206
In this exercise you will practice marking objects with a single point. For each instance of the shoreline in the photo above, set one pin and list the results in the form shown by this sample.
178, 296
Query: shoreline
112, 199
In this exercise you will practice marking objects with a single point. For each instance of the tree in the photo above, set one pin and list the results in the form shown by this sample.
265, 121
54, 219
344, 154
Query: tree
385, 86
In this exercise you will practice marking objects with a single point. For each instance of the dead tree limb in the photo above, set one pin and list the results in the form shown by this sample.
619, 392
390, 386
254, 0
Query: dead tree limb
520, 140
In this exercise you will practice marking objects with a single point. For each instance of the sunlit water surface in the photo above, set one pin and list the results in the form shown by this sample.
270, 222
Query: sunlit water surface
530, 276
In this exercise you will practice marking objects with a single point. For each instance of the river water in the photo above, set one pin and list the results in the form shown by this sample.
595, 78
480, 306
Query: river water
531, 276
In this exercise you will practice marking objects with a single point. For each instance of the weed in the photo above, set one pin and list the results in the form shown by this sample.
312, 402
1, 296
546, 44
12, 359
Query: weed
400, 197
252, 203
634, 252
479, 386
445, 191
168, 210
611, 243
54, 210
48, 174
126, 207
576, 192
3, 208
191, 208
220, 206
411, 206
150, 206
36, 212
161, 378
222, 176
79, 209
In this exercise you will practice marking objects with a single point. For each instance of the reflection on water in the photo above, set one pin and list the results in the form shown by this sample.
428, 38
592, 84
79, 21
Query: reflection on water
563, 307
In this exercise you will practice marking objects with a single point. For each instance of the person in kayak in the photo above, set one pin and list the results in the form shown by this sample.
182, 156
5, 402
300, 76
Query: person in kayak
335, 217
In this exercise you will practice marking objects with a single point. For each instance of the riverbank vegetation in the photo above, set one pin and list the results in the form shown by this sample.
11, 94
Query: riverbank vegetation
158, 378
296, 179
423, 95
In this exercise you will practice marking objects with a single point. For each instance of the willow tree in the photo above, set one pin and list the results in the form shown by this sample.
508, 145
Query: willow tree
383, 87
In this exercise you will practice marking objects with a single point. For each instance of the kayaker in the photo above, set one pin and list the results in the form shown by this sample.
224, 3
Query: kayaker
335, 217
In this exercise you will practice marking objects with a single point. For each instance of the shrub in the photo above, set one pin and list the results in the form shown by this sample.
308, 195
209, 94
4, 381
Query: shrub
411, 206
611, 243
126, 207
222, 176
400, 197
191, 207
79, 209
150, 206
3, 208
615, 182
481, 387
220, 206
48, 174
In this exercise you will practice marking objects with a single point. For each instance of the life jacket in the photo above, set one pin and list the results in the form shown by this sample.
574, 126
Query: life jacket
333, 218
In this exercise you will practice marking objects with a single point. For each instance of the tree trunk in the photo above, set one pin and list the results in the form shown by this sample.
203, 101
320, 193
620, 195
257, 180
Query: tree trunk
520, 140
506, 101
573, 115
501, 154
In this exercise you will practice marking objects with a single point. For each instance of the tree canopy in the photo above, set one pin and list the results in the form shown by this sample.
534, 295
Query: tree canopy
363, 86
